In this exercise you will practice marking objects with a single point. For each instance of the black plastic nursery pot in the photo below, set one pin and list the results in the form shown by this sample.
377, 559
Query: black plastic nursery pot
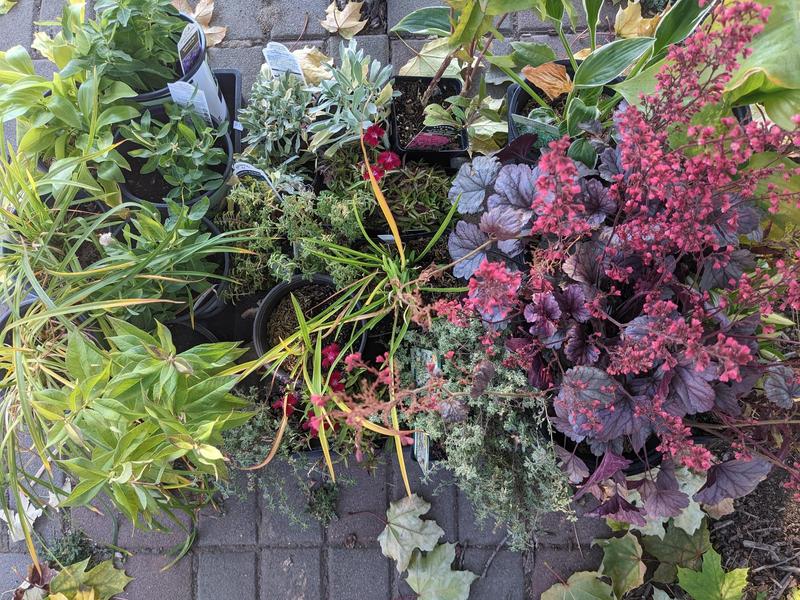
185, 336
277, 299
403, 140
230, 86
215, 197
640, 462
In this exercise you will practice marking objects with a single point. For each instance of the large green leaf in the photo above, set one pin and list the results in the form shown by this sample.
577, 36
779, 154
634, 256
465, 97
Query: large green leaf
531, 54
679, 22
501, 7
622, 562
431, 20
677, 548
712, 582
771, 74
432, 578
105, 579
406, 532
608, 62
428, 60
592, 10
643, 82
583, 585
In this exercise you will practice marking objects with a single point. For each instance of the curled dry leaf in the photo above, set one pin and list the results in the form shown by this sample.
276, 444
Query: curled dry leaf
346, 22
581, 54
630, 22
202, 13
315, 64
551, 78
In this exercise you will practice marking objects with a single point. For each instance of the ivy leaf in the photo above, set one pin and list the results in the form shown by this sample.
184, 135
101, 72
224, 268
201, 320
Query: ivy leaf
733, 479
345, 22
472, 182
105, 579
622, 563
432, 578
782, 387
677, 549
427, 61
712, 582
406, 532
462, 243
583, 585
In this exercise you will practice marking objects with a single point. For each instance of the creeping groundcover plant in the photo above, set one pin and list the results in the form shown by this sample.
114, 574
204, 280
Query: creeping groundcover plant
597, 317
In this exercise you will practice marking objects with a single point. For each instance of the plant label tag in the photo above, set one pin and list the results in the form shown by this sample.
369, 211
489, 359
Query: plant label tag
245, 169
280, 60
189, 47
185, 94
238, 126
436, 137
422, 451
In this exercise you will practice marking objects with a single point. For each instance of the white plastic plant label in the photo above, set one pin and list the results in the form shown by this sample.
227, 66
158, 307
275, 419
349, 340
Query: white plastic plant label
185, 94
280, 60
422, 451
190, 50
189, 47
245, 169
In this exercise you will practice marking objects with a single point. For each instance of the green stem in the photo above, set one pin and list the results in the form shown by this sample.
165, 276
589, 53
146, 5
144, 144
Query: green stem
566, 45
521, 83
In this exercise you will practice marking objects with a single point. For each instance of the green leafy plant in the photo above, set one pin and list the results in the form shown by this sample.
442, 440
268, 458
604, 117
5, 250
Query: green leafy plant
133, 41
74, 582
356, 96
276, 119
73, 547
183, 150
141, 422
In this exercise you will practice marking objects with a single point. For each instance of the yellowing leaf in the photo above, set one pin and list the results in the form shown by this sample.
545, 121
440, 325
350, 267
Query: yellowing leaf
622, 563
712, 582
316, 66
719, 510
406, 532
581, 54
6, 5
551, 78
429, 59
346, 22
432, 577
630, 22
202, 13
583, 585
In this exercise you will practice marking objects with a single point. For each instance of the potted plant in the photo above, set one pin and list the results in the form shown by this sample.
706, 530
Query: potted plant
174, 154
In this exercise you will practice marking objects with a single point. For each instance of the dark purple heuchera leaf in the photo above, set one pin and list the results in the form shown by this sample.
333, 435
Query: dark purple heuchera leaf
523, 149
472, 183
465, 238
580, 348
585, 263
621, 510
506, 225
610, 164
733, 479
608, 467
689, 390
639, 328
597, 203
481, 377
573, 466
663, 498
543, 314
733, 267
572, 301
515, 186
725, 400
782, 386
748, 221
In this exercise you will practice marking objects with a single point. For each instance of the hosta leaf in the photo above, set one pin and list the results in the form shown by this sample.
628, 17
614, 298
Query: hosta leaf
782, 387
463, 243
629, 22
583, 585
607, 62
733, 479
712, 582
472, 183
406, 532
432, 578
622, 563
431, 20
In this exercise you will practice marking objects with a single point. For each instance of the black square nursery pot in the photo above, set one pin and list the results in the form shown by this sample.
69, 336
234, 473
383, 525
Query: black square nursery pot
449, 158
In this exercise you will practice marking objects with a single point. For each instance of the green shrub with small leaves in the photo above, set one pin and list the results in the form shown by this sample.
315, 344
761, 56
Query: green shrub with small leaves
73, 547
275, 120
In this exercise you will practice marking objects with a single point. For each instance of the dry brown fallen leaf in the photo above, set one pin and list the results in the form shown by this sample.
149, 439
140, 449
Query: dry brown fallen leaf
202, 13
316, 65
630, 23
346, 22
581, 54
550, 77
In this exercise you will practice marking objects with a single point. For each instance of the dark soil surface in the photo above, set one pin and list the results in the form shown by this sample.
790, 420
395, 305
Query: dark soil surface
763, 534
150, 187
88, 254
409, 111
185, 338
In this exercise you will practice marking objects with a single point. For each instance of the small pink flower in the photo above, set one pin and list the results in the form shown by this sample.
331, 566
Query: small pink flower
373, 135
329, 354
318, 400
335, 382
353, 361
389, 160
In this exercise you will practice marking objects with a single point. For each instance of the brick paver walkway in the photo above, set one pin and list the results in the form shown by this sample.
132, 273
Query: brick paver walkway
247, 551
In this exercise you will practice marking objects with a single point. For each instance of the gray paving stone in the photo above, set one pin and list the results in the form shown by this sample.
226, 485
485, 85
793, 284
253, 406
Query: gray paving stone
284, 19
46, 529
375, 46
440, 491
13, 570
291, 574
99, 527
235, 524
44, 68
50, 10
403, 51
10, 133
219, 574
528, 20
16, 26
239, 18
276, 528
247, 60
149, 581
3, 538
361, 505
505, 579
358, 574
558, 531
473, 533
552, 566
